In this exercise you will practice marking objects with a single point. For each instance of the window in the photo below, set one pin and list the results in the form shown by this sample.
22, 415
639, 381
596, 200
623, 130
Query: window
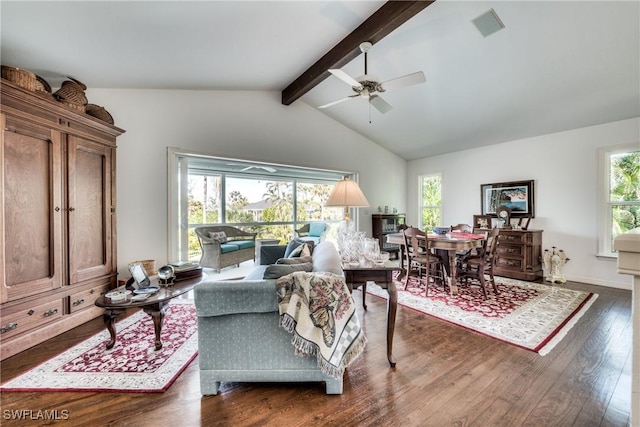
271, 200
620, 194
430, 201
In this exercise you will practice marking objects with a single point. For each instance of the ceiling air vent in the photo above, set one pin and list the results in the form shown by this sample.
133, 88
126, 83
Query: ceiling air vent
488, 23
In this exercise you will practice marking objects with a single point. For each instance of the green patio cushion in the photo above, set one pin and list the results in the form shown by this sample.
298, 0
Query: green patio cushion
228, 247
244, 244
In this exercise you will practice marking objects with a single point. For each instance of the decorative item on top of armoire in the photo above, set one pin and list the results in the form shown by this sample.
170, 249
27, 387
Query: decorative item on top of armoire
71, 93
58, 209
99, 112
554, 261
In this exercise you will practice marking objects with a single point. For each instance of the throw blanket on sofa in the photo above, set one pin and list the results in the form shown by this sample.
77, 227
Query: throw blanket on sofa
318, 310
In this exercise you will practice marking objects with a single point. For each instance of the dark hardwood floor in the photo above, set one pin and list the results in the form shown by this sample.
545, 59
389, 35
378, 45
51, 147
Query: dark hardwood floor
445, 376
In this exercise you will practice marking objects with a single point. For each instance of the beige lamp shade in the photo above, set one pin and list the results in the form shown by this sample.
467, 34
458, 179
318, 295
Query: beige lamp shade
347, 194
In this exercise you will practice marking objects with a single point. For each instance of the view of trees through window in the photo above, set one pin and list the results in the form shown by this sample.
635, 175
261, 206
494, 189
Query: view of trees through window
431, 200
271, 207
624, 192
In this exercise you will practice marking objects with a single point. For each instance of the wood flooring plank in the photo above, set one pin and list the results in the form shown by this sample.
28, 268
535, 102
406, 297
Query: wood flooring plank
445, 376
586, 383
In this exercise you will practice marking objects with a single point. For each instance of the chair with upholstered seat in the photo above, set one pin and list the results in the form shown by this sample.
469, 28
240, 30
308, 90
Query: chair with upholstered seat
420, 258
313, 231
476, 266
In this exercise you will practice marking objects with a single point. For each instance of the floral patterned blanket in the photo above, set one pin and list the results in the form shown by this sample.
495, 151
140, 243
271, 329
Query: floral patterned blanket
318, 310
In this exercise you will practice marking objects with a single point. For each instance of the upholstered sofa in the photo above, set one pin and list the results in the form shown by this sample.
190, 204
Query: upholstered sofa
239, 334
224, 245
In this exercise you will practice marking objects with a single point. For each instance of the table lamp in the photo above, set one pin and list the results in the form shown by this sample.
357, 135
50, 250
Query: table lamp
347, 193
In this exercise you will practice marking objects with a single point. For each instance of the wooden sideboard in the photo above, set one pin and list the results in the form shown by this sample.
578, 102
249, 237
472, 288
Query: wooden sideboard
57, 217
518, 254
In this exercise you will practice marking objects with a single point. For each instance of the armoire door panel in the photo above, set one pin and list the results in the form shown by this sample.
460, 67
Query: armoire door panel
89, 209
32, 214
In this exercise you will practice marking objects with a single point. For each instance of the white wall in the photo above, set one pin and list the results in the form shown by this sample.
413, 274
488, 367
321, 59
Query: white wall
564, 167
244, 125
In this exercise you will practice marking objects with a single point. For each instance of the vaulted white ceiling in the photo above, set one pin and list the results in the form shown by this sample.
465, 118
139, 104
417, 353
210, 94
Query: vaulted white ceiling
555, 66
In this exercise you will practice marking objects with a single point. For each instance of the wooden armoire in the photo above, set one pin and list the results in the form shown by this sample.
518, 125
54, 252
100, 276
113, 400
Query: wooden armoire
57, 217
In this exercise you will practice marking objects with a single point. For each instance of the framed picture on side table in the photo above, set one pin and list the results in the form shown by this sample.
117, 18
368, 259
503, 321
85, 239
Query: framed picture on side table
482, 221
522, 223
518, 196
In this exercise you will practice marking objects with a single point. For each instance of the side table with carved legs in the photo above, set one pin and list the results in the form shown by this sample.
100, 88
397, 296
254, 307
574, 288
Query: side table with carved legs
154, 306
356, 276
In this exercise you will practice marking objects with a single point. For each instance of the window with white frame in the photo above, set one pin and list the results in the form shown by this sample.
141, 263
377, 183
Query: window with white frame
430, 201
619, 194
270, 199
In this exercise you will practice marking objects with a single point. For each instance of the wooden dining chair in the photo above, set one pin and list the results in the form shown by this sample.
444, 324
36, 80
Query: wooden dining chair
461, 228
475, 267
421, 259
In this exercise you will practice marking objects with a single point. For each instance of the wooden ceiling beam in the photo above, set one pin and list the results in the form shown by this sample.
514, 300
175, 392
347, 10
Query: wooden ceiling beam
390, 16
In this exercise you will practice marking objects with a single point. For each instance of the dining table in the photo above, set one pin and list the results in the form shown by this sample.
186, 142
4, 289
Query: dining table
449, 243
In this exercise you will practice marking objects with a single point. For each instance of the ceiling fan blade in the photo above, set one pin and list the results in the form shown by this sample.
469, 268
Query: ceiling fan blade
345, 78
380, 104
338, 101
408, 80
266, 168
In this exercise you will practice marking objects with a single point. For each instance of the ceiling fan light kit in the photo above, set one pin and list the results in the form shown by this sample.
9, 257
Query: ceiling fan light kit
368, 86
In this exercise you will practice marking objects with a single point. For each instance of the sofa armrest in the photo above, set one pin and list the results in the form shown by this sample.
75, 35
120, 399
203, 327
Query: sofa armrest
269, 254
219, 298
209, 240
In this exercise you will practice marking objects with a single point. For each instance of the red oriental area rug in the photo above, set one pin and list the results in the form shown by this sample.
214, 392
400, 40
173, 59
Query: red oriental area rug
132, 365
528, 315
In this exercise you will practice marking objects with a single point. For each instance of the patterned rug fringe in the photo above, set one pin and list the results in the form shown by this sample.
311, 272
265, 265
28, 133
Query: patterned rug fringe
566, 328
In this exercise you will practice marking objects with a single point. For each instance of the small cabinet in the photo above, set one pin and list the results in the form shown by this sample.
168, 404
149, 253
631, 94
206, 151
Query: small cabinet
384, 224
518, 254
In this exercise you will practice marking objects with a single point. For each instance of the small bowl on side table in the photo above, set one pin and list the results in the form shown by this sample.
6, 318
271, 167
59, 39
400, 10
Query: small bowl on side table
379, 259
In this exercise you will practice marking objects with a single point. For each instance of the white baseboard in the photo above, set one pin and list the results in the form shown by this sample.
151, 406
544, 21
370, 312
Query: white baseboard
607, 283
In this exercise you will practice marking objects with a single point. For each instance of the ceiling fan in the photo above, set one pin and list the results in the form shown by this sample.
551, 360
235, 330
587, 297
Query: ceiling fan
367, 86
247, 168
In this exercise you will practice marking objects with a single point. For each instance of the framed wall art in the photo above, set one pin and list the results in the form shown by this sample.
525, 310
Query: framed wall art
518, 196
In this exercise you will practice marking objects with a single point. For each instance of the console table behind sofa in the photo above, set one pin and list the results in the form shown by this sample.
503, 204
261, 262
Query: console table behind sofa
240, 246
